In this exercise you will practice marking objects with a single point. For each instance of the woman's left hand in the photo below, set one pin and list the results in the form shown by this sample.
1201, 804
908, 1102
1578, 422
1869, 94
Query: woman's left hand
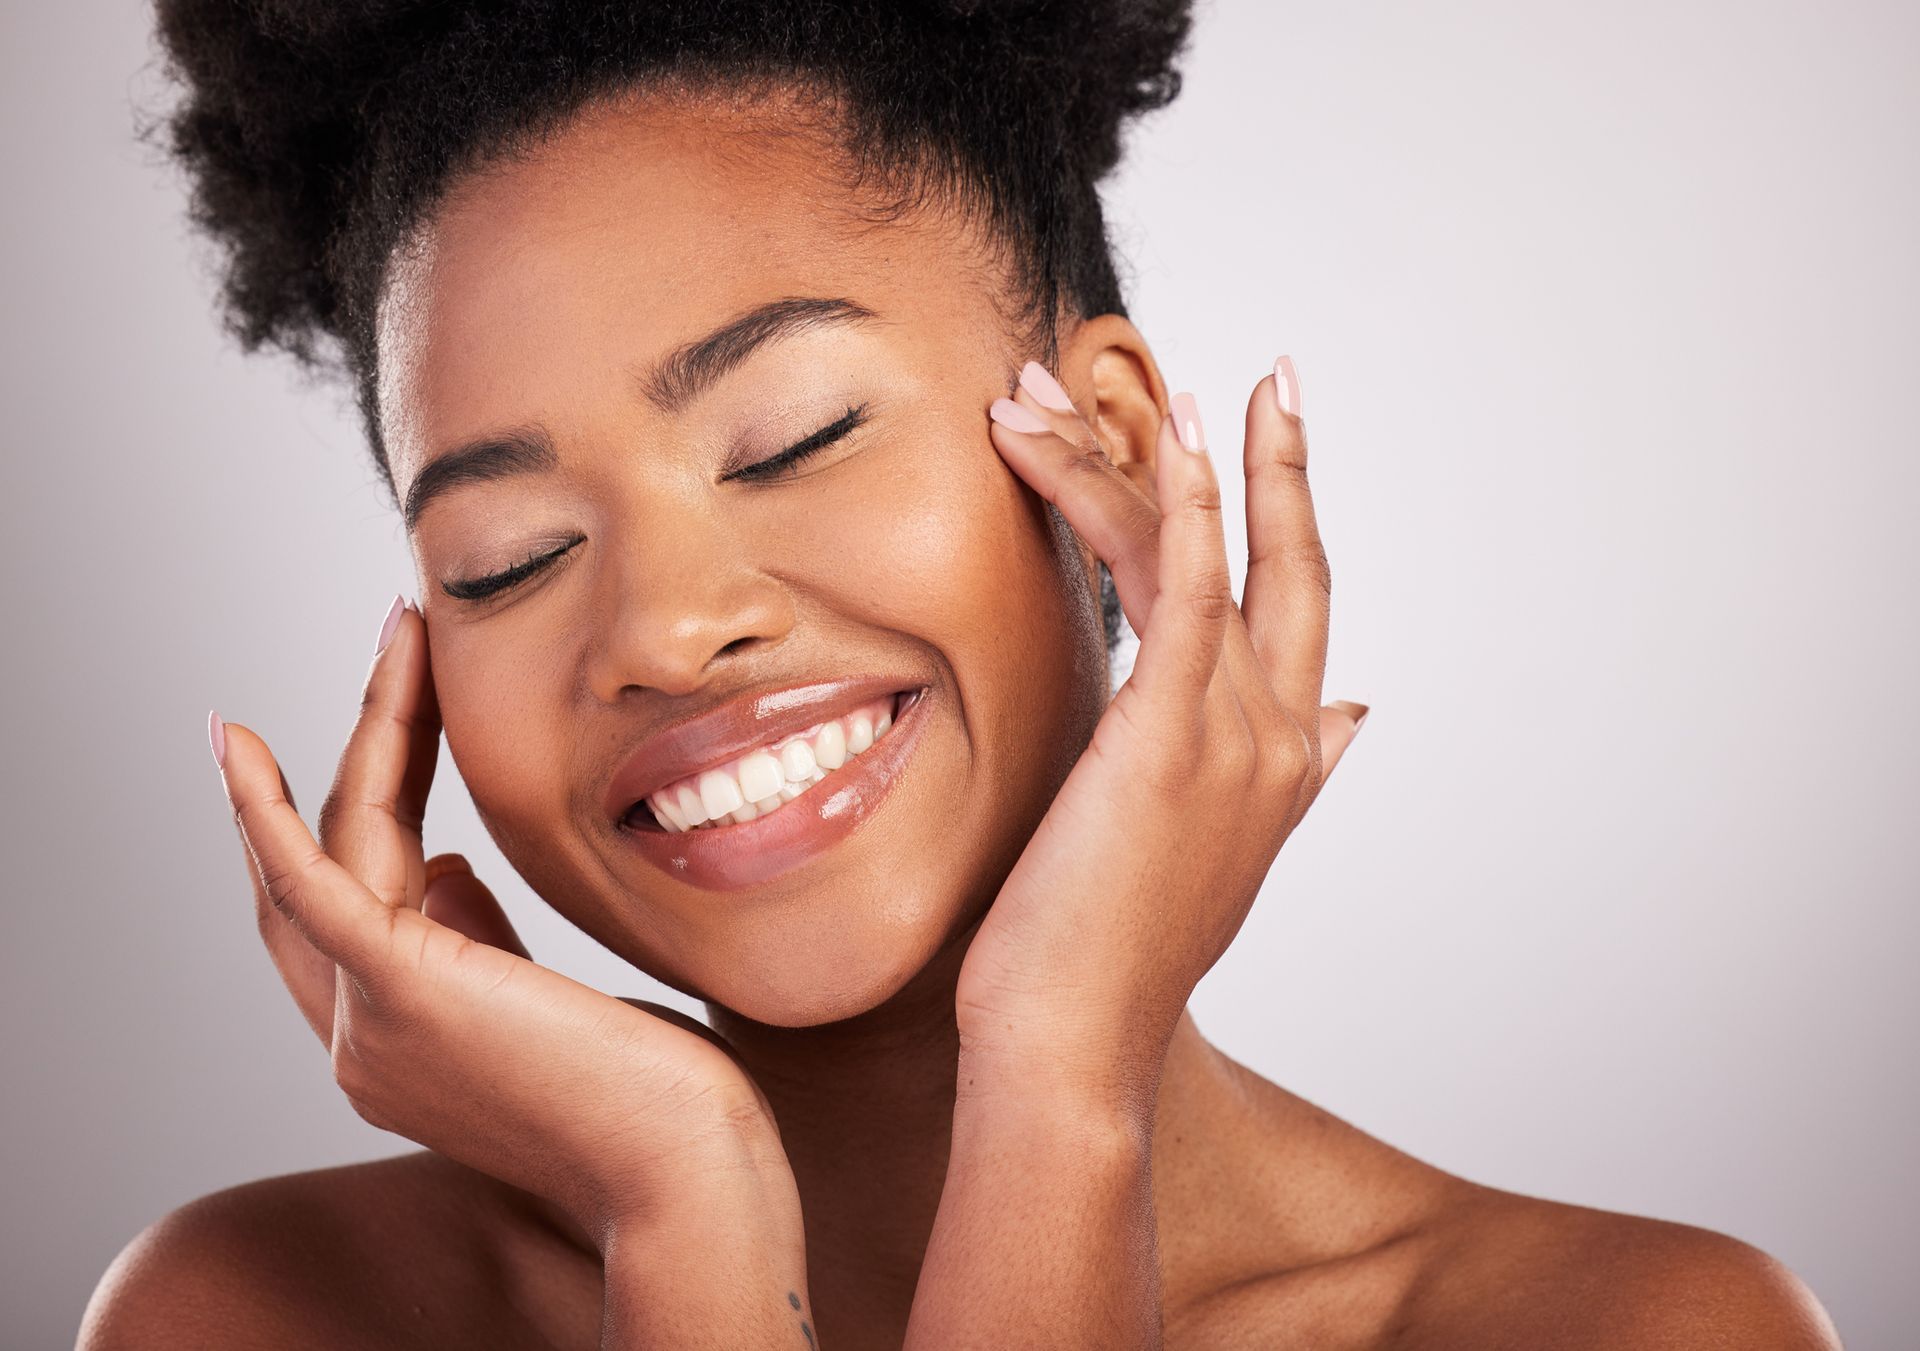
1151, 854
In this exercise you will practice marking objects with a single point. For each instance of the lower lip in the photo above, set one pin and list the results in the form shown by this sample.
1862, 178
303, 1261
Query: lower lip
743, 854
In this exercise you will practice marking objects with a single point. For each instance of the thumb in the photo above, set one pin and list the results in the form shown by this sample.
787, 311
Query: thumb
461, 901
1339, 725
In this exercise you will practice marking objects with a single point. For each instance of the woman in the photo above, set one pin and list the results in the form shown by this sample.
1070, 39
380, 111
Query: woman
778, 460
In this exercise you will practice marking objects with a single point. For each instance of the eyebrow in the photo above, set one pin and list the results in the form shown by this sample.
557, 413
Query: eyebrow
521, 451
685, 373
670, 384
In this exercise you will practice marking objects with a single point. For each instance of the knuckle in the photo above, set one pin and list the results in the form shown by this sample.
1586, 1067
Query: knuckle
1142, 529
1299, 747
1305, 559
281, 882
1309, 558
1086, 464
1200, 499
1239, 760
1210, 606
1209, 591
1296, 761
1284, 472
332, 812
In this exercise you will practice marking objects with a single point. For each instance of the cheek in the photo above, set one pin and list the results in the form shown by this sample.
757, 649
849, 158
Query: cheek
948, 546
505, 732
951, 549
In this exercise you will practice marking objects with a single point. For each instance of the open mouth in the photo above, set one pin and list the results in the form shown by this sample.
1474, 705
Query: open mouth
767, 778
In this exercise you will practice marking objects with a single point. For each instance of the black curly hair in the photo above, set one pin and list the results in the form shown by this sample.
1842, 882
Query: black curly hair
316, 134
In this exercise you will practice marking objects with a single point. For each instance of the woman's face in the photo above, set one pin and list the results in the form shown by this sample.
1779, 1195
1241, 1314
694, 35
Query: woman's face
538, 308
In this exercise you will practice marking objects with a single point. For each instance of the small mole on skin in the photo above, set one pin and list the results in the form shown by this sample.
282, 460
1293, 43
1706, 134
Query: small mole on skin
793, 1299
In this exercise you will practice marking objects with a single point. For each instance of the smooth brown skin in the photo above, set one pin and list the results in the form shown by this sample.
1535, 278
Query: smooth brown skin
909, 547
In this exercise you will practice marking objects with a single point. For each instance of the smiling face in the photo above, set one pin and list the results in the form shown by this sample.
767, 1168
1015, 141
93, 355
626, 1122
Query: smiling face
554, 306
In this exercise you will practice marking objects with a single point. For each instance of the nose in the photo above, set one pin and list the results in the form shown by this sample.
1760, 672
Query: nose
675, 611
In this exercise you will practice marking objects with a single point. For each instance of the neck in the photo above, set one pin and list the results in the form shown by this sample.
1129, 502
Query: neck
865, 1106
865, 1111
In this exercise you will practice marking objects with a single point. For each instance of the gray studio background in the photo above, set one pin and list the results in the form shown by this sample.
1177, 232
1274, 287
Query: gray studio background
1605, 319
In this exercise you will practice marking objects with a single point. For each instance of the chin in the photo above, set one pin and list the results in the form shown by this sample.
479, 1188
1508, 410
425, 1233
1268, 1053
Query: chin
897, 948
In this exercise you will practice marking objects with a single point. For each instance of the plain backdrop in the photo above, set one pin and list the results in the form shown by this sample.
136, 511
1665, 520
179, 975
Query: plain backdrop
1605, 321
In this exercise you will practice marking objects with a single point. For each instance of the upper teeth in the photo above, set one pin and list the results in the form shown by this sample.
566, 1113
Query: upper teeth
768, 777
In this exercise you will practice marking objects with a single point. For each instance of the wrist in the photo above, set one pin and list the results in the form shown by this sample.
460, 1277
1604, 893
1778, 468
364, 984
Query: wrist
1058, 1092
734, 1178
709, 1274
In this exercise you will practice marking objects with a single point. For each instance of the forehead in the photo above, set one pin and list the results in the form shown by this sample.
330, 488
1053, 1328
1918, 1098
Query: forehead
639, 225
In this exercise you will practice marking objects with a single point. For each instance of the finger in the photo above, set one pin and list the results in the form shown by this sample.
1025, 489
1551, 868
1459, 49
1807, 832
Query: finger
1339, 724
1073, 452
1060, 458
371, 820
1181, 643
1286, 601
307, 974
456, 898
324, 904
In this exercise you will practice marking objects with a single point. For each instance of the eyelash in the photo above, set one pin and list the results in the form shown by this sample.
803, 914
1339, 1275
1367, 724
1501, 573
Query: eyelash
482, 587
773, 467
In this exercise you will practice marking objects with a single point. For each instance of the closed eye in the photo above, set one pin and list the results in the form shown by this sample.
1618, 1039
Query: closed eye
479, 588
784, 464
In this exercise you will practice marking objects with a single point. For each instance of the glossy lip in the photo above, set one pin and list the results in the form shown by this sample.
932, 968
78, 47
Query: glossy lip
736, 727
741, 854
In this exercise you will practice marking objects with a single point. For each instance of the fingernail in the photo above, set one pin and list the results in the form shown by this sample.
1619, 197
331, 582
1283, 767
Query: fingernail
1010, 414
1361, 721
390, 623
217, 738
1286, 386
1039, 382
1186, 424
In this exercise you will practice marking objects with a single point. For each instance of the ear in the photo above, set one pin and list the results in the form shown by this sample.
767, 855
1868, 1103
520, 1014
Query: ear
1113, 380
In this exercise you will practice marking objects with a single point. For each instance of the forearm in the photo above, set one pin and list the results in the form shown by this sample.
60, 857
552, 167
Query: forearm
1045, 1234
719, 1266
709, 1287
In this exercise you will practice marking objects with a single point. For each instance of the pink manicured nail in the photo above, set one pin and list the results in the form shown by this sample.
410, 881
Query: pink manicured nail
1010, 414
1039, 382
217, 738
389, 624
1286, 386
1186, 423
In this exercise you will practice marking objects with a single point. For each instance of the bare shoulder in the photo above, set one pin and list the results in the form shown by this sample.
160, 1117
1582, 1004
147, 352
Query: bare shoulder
1511, 1270
406, 1251
1353, 1242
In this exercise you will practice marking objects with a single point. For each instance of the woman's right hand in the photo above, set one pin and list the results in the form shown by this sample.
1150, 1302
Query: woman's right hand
441, 1028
